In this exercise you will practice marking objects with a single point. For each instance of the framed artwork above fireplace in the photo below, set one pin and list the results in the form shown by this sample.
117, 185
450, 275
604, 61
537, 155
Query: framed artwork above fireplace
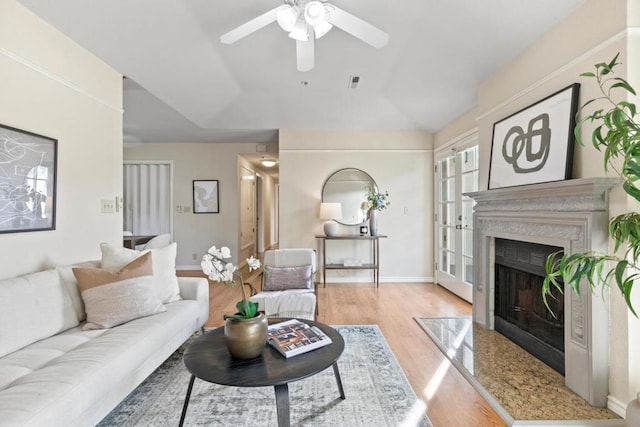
535, 144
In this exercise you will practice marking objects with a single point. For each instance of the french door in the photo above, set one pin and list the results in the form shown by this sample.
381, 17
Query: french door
456, 174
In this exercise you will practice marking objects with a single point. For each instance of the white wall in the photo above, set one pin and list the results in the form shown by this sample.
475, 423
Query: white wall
400, 162
53, 87
631, 331
593, 34
196, 233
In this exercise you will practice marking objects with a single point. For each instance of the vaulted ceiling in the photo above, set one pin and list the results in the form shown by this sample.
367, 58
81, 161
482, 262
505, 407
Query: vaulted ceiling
184, 85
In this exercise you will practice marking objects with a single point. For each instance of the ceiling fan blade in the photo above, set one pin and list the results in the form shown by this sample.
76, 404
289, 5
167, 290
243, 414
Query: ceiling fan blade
305, 52
357, 27
251, 26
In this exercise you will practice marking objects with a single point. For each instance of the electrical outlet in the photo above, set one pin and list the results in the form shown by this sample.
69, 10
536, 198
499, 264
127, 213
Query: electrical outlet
108, 206
179, 209
119, 203
186, 209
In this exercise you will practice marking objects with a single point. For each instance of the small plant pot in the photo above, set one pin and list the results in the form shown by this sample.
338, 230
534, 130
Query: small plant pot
246, 338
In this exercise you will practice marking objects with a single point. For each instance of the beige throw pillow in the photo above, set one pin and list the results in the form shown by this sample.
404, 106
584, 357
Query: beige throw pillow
112, 298
281, 278
164, 267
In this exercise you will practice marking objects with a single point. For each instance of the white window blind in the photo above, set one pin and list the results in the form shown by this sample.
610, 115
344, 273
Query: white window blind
147, 198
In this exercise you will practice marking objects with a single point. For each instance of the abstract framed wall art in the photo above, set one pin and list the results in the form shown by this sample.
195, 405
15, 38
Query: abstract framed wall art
27, 181
206, 197
535, 144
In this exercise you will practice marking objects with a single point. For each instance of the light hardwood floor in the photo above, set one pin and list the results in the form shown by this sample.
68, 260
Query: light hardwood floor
450, 400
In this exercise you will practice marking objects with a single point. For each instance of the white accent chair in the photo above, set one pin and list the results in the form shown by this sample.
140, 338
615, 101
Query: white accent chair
158, 242
292, 274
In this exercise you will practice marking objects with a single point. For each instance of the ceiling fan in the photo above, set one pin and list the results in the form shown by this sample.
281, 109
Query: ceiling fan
307, 20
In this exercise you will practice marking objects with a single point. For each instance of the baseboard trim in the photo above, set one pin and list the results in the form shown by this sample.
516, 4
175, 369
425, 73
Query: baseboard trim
188, 267
618, 407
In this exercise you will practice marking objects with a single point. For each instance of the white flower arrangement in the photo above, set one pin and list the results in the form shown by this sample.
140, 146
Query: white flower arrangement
217, 269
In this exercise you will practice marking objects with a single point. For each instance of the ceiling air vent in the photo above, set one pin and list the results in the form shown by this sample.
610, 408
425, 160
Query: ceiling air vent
353, 82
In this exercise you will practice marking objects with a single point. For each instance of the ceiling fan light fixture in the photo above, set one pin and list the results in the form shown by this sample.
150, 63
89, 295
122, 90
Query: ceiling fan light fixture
322, 28
300, 30
315, 13
288, 17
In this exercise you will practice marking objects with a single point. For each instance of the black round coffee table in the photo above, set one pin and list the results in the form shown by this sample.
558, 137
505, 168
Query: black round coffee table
207, 358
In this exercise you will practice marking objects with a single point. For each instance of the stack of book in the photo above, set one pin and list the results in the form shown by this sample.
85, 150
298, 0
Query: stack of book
294, 337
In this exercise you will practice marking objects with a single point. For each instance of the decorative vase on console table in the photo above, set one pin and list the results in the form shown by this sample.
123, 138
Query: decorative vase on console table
375, 201
373, 222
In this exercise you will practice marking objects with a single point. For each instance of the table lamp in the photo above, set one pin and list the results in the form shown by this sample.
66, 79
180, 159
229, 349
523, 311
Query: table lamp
331, 212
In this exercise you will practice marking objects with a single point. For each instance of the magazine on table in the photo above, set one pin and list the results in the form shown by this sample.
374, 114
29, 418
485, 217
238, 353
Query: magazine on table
294, 337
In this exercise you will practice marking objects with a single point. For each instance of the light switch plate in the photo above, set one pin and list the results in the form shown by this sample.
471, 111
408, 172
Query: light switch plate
108, 206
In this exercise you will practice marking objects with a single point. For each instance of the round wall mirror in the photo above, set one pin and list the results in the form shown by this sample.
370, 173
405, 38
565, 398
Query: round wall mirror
349, 187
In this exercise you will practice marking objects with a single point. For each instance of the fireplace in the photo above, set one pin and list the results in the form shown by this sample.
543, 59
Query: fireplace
571, 215
520, 311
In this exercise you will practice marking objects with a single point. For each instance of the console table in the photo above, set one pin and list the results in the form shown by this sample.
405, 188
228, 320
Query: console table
375, 247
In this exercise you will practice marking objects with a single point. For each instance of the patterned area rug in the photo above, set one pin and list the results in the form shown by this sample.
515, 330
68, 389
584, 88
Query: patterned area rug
377, 394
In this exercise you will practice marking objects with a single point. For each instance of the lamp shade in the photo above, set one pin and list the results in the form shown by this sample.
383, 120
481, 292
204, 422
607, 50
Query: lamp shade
329, 210
300, 30
322, 28
287, 17
315, 13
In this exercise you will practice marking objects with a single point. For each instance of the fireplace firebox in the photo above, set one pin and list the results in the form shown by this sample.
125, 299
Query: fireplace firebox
520, 312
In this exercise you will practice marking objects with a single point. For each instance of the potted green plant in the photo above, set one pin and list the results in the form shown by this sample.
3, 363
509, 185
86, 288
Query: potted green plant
246, 330
617, 134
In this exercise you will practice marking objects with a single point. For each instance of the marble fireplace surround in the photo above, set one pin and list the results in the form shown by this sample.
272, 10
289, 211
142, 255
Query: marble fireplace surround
571, 214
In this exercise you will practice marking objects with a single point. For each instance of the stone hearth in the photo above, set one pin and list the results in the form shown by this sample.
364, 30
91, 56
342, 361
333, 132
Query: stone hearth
569, 214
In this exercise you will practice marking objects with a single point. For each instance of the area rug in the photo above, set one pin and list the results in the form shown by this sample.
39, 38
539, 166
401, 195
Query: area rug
377, 394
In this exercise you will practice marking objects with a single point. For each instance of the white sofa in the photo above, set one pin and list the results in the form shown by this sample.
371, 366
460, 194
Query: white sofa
54, 373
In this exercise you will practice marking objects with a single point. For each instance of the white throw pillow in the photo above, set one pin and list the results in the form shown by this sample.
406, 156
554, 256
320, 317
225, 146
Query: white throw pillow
33, 307
164, 267
112, 298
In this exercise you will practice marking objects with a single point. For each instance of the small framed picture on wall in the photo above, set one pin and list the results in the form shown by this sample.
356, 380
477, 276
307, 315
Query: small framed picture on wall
206, 197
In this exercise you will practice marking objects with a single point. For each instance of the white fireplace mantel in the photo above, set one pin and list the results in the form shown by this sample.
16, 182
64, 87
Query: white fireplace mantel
570, 214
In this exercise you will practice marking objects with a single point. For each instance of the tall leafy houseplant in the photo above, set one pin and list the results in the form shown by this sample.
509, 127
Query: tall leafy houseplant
617, 134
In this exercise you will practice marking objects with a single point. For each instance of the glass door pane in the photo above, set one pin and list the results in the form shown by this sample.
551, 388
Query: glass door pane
447, 215
469, 170
457, 173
